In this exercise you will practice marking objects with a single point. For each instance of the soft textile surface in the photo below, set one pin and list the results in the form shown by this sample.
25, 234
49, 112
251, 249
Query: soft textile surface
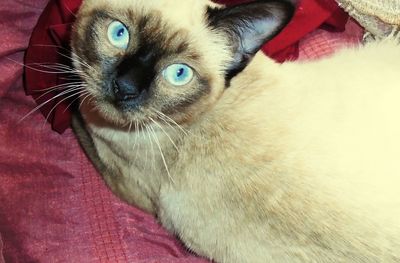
380, 17
1, 250
54, 207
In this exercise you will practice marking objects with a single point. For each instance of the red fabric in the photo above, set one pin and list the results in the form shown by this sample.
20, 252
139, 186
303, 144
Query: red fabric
54, 207
309, 15
51, 37
50, 44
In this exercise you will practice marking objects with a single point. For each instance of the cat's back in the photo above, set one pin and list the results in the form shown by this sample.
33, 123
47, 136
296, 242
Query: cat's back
339, 115
348, 103
333, 127
345, 116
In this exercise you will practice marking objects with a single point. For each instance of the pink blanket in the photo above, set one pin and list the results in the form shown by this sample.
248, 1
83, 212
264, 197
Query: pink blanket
54, 207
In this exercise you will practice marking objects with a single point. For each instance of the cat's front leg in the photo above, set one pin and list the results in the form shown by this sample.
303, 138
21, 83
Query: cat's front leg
217, 221
131, 190
215, 233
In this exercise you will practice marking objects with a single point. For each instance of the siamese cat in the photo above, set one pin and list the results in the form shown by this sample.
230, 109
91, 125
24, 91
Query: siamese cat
244, 159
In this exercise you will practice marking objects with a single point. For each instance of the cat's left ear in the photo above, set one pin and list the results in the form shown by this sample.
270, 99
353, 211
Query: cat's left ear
249, 26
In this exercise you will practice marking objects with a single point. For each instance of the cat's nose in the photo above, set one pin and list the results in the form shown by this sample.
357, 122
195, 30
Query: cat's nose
125, 89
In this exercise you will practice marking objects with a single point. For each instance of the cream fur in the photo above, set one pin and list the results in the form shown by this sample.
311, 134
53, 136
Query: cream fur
293, 163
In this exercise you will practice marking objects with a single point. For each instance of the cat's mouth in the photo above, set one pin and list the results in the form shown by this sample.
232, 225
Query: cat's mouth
121, 99
101, 112
116, 106
128, 100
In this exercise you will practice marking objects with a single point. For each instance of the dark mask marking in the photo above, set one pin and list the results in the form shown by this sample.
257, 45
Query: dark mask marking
133, 78
91, 37
183, 103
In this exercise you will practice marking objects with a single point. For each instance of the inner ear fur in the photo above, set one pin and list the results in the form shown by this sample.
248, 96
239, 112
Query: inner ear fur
248, 26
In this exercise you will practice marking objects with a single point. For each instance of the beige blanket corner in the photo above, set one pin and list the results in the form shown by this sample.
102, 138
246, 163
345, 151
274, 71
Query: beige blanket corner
379, 17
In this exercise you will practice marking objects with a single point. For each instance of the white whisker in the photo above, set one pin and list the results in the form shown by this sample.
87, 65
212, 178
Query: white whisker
152, 146
130, 126
72, 102
143, 132
60, 87
54, 66
44, 103
136, 137
78, 59
42, 71
129, 132
169, 137
167, 118
88, 95
162, 154
61, 101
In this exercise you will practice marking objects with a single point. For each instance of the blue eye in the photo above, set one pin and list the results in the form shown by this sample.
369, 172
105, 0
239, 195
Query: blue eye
118, 35
178, 74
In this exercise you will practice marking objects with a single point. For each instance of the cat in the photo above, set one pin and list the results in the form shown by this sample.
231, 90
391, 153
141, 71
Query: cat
244, 159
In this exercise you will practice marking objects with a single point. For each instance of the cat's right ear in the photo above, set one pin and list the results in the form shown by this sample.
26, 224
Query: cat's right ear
248, 26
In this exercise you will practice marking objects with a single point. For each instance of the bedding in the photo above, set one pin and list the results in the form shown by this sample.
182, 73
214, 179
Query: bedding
380, 18
1, 251
54, 207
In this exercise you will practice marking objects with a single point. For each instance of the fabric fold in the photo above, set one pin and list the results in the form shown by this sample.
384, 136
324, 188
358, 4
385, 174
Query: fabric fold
48, 47
1, 250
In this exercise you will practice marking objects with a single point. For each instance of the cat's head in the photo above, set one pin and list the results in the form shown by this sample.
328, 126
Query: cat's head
143, 58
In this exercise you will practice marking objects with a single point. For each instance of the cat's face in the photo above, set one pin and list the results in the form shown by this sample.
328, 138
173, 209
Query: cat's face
144, 58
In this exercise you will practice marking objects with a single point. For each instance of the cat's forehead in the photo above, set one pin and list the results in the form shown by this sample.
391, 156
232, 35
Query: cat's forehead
169, 27
185, 13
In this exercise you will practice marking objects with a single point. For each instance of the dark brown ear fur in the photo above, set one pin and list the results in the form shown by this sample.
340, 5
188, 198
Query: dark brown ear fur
249, 26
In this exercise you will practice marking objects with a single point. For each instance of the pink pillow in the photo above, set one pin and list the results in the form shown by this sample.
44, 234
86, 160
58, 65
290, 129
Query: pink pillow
1, 250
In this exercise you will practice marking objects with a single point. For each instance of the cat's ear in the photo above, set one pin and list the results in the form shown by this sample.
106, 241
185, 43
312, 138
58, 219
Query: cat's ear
249, 26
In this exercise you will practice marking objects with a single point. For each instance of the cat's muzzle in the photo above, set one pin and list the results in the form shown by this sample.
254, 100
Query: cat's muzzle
127, 95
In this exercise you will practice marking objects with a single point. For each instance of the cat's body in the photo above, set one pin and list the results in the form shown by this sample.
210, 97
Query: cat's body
291, 163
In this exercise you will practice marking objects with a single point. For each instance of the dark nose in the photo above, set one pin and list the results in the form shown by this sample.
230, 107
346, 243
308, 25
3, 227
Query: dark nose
125, 89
